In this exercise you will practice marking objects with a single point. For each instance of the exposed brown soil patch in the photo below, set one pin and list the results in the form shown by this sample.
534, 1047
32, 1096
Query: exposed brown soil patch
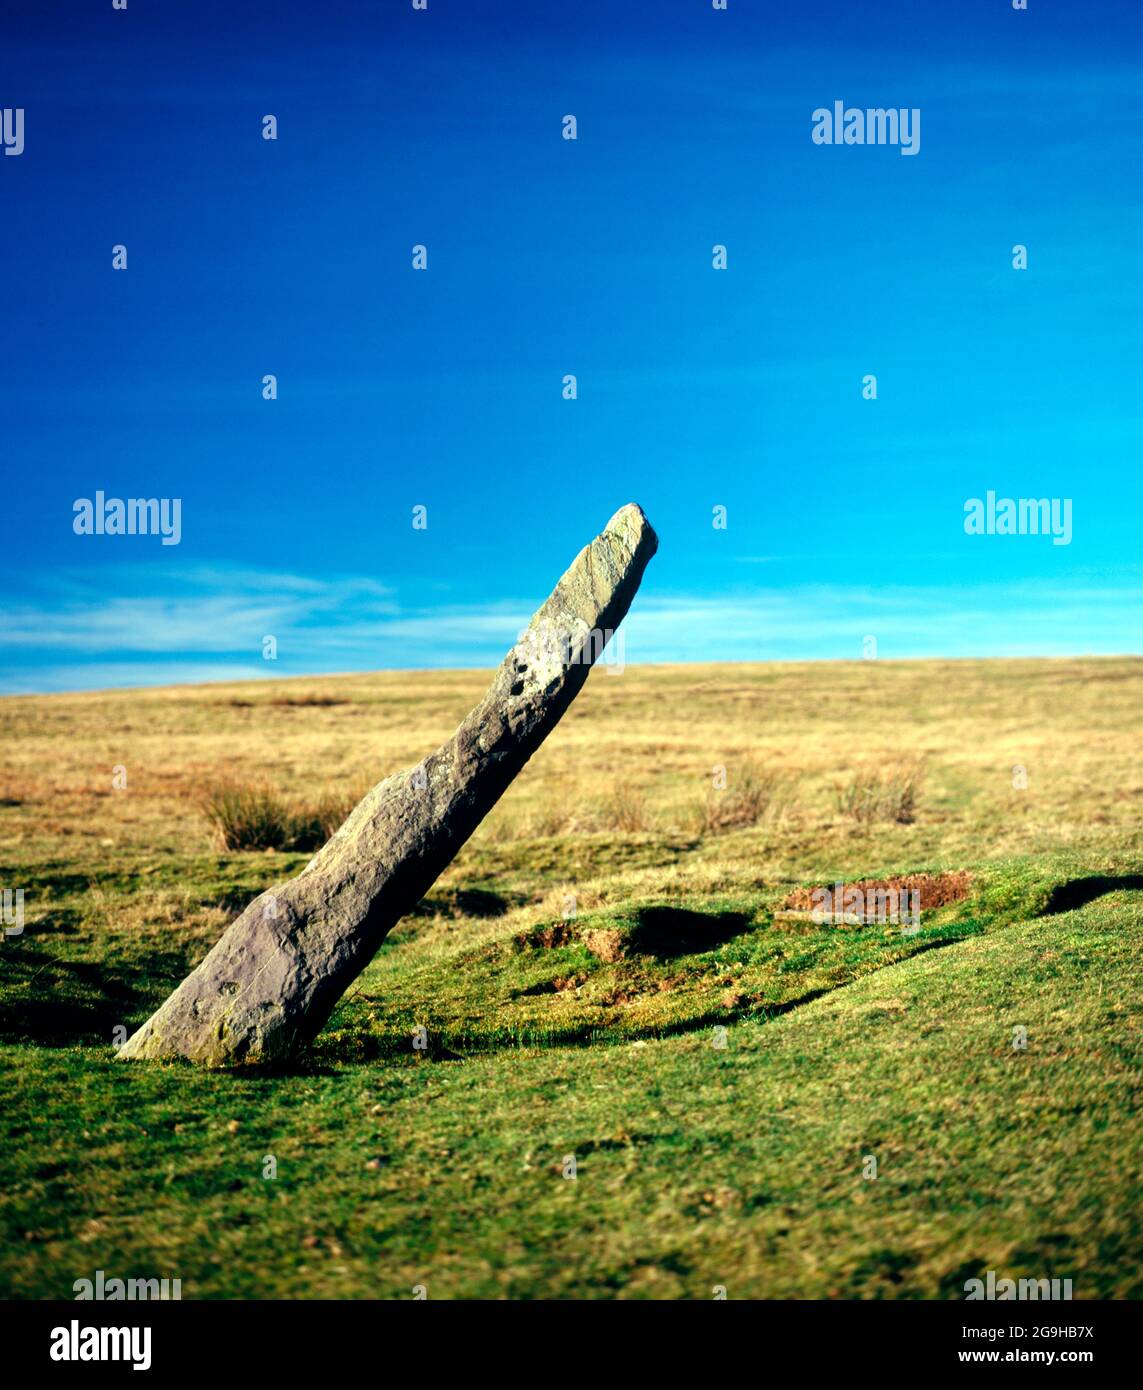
936, 890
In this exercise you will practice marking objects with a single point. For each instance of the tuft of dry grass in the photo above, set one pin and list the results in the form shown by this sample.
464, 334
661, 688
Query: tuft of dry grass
245, 817
890, 792
624, 808
256, 816
752, 792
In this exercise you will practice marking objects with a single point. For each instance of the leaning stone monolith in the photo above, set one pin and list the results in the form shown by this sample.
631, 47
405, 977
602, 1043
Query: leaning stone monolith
269, 985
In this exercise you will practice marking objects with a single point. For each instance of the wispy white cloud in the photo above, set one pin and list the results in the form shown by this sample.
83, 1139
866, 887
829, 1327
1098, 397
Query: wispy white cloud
831, 622
212, 626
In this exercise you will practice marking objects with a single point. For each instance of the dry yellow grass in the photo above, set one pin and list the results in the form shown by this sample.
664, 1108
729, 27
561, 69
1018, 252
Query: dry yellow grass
638, 748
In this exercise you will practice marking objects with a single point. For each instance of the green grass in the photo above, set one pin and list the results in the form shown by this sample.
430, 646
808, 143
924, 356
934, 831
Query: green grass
696, 1165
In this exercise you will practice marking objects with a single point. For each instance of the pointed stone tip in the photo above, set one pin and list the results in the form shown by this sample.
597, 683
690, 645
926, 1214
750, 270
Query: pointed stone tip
632, 524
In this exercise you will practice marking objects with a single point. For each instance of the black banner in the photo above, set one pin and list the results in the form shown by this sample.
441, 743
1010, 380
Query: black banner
289, 1339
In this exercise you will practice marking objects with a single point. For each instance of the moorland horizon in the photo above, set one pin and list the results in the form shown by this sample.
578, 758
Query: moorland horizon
270, 677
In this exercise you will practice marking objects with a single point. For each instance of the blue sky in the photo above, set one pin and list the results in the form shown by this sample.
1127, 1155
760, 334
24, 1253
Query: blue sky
696, 388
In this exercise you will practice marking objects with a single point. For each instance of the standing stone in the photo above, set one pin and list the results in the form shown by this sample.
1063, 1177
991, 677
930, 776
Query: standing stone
272, 981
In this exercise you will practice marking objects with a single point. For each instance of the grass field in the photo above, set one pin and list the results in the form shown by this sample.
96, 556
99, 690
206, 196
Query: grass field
606, 973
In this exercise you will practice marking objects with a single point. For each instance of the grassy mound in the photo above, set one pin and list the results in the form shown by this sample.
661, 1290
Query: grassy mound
696, 1164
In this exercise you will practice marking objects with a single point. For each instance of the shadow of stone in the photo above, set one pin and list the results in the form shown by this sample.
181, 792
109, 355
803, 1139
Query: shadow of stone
59, 1003
50, 1001
462, 902
664, 932
1078, 892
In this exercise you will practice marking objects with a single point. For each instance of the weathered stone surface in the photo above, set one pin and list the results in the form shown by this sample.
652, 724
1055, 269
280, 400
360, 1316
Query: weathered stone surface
269, 985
